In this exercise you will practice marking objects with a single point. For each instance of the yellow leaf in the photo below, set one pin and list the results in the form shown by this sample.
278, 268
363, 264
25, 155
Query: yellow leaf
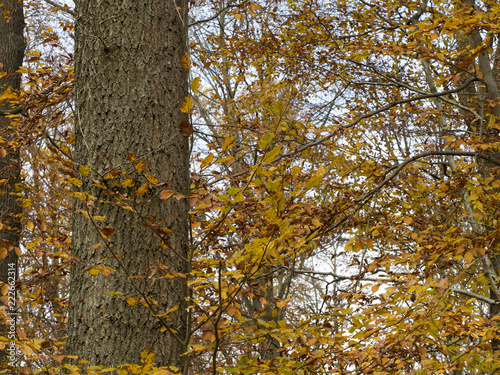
316, 222
195, 85
132, 301
140, 166
207, 160
143, 189
228, 142
128, 182
8, 94
187, 105
281, 304
176, 307
319, 353
271, 154
126, 207
223, 160
151, 178
75, 181
314, 180
84, 170
266, 140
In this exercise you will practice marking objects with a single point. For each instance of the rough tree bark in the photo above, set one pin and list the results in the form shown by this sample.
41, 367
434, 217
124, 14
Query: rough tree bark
130, 83
11, 58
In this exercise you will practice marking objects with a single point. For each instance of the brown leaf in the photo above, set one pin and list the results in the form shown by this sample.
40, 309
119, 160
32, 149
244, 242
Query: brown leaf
107, 231
185, 128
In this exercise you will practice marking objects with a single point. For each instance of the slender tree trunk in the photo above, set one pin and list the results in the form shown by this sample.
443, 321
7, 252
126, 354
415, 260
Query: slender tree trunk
11, 58
130, 83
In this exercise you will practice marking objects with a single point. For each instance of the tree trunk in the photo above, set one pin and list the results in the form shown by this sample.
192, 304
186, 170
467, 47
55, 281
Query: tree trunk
11, 58
130, 83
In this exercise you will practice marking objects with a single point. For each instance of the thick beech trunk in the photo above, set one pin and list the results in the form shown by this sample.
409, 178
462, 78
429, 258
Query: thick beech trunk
130, 83
11, 58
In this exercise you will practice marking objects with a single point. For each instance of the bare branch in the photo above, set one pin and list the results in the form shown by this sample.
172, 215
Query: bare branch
63, 8
217, 14
356, 278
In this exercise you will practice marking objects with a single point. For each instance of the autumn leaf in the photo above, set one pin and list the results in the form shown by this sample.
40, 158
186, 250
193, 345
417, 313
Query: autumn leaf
107, 231
151, 178
143, 189
187, 105
185, 128
84, 170
271, 154
266, 140
468, 256
195, 85
5, 289
228, 142
132, 301
185, 61
140, 166
165, 194
208, 159
8, 94
129, 181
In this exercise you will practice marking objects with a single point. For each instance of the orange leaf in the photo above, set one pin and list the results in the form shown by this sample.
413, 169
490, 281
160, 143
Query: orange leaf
140, 166
165, 194
143, 189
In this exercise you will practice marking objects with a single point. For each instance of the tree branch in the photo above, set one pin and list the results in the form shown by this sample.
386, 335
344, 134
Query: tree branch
63, 8
11, 111
354, 277
216, 14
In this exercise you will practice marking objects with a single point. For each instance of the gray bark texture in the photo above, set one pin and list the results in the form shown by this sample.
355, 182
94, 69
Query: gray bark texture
11, 58
130, 84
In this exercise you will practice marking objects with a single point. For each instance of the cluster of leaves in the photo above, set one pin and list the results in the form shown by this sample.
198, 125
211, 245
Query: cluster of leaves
344, 188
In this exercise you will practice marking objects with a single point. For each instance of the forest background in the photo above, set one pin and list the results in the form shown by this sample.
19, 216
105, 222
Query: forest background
343, 195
